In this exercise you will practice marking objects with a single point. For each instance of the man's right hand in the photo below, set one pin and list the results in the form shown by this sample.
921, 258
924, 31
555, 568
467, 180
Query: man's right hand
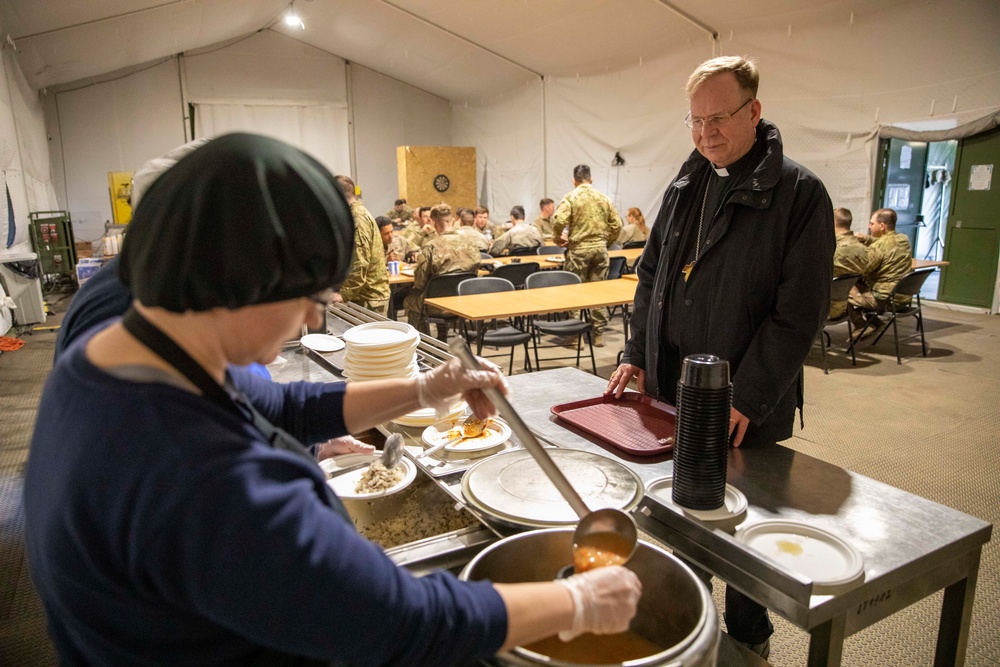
621, 377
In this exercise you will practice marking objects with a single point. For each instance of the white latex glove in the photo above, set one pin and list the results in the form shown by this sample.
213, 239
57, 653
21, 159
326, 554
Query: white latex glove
440, 387
604, 600
347, 444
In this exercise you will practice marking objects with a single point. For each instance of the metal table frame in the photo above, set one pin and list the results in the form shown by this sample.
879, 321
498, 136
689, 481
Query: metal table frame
904, 561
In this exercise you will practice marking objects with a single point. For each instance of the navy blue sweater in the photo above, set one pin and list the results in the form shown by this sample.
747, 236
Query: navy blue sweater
163, 529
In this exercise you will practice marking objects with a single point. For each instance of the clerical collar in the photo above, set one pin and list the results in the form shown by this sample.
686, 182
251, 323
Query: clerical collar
738, 167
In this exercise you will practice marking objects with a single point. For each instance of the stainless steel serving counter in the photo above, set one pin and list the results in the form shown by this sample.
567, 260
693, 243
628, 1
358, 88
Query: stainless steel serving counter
912, 547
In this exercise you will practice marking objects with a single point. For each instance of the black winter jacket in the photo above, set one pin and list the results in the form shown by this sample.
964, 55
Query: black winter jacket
758, 294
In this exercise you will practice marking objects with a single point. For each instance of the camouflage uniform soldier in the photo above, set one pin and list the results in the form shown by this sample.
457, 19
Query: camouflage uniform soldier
421, 230
520, 236
543, 223
889, 259
400, 213
396, 247
447, 253
851, 255
483, 225
367, 283
593, 225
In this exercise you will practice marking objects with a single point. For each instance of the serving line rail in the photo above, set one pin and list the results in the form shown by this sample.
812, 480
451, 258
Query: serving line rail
912, 547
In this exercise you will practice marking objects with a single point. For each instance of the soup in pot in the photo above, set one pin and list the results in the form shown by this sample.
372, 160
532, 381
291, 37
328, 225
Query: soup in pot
590, 649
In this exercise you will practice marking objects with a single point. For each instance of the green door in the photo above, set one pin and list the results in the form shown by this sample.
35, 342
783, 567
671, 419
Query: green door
973, 239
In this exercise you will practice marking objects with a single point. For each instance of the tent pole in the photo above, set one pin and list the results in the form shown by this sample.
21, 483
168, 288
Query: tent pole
350, 120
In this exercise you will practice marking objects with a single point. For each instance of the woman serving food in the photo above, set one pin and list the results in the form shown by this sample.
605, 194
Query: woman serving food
174, 512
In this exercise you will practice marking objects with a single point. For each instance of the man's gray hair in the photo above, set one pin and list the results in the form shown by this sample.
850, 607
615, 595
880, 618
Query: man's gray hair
743, 68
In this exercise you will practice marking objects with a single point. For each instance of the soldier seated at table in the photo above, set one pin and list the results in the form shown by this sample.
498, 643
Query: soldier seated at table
468, 230
400, 213
519, 237
397, 248
543, 223
446, 253
483, 225
421, 229
889, 259
851, 255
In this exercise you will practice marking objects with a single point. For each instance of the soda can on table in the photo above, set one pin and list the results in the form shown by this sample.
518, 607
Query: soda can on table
393, 268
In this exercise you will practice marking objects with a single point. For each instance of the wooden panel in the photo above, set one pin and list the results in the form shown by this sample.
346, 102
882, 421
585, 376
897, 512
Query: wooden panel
419, 166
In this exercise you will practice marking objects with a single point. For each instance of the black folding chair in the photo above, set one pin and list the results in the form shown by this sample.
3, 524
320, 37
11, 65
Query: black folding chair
445, 284
839, 291
561, 324
494, 333
520, 252
634, 244
909, 285
516, 273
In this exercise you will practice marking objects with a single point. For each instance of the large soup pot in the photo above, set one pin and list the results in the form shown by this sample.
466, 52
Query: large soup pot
676, 611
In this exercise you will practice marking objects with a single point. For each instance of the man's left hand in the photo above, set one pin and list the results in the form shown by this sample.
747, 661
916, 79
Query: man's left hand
737, 423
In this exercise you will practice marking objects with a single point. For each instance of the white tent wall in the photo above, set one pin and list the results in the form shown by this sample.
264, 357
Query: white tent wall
387, 114
114, 126
273, 85
637, 112
24, 163
509, 138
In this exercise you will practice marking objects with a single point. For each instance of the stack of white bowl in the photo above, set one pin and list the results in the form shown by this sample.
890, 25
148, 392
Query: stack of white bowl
381, 350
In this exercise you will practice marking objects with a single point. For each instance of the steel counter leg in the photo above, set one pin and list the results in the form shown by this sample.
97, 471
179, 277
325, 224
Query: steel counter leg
956, 612
826, 643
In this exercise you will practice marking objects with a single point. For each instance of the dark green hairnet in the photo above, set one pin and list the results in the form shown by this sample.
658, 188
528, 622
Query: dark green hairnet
242, 220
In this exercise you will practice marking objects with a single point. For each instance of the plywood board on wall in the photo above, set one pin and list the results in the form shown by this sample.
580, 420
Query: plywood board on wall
430, 175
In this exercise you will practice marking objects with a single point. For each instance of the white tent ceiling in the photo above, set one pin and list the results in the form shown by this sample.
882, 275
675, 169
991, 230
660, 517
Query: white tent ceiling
462, 50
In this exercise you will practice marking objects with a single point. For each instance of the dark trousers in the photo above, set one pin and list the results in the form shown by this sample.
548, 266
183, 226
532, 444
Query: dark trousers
746, 620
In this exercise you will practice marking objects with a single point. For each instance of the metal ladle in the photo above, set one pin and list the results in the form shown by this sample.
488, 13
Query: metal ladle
392, 454
593, 525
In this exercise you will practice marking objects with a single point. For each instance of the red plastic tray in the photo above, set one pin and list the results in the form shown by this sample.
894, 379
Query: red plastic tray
634, 423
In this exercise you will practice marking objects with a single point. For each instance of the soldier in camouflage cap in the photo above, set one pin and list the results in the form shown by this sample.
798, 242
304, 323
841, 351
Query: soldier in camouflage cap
889, 259
367, 283
593, 225
851, 255
446, 253
518, 237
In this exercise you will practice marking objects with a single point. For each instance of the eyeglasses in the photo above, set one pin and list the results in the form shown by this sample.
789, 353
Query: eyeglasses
323, 298
718, 119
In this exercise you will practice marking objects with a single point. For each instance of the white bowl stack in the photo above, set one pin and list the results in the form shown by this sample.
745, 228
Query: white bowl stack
381, 350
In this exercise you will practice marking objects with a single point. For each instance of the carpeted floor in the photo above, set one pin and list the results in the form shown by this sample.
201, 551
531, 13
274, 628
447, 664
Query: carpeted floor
929, 426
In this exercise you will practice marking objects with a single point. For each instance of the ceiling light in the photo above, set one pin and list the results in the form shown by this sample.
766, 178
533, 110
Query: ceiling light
293, 20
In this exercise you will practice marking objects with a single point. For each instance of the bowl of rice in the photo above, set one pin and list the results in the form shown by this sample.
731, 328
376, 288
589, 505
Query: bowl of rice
373, 481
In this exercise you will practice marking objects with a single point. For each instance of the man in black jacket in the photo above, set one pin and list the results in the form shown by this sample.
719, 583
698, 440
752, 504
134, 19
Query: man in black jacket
738, 264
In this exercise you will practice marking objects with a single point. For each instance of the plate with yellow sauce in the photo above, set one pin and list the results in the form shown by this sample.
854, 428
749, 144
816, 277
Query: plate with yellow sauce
831, 562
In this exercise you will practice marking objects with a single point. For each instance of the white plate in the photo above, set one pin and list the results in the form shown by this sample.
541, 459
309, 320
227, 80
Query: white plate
427, 416
381, 357
495, 433
381, 335
734, 504
344, 485
322, 342
396, 370
397, 361
830, 561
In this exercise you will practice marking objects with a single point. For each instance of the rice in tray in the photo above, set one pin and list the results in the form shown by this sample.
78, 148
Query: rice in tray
425, 512
377, 478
